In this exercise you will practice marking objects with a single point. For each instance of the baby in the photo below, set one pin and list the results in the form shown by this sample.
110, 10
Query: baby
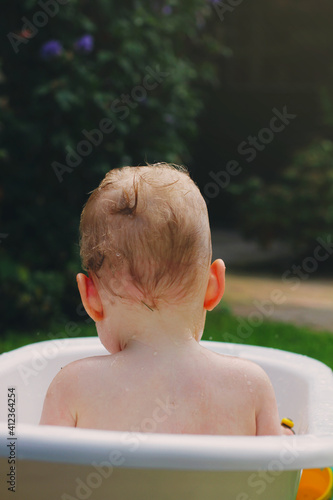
146, 245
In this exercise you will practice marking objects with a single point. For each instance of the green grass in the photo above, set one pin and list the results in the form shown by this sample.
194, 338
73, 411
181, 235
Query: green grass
12, 340
221, 326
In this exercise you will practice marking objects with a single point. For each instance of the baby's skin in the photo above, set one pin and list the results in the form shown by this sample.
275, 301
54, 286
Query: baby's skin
165, 387
158, 378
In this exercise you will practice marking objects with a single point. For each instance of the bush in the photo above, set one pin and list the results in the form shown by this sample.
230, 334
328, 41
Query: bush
85, 87
298, 207
33, 298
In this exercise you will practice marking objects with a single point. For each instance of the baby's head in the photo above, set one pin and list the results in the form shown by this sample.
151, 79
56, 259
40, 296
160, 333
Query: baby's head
145, 236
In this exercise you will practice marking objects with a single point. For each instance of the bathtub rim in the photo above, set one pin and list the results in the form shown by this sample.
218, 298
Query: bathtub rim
169, 451
78, 446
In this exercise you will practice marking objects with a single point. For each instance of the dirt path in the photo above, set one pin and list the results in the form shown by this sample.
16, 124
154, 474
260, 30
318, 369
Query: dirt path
310, 304
306, 302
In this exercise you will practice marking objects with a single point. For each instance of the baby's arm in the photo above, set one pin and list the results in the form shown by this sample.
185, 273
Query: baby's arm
58, 409
267, 415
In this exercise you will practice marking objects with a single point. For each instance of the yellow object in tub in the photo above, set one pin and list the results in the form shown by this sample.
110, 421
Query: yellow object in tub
316, 484
288, 423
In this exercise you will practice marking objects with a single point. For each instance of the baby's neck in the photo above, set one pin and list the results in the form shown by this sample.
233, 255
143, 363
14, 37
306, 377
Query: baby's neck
160, 342
159, 330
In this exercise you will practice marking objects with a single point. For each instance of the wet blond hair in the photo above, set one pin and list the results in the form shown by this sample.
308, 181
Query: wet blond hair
146, 228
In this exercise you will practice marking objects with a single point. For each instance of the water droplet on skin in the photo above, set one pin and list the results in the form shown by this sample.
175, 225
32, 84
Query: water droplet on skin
118, 254
155, 353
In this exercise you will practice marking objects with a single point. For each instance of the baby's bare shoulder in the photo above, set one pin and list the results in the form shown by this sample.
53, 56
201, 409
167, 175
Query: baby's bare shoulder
60, 401
71, 378
74, 376
85, 367
241, 368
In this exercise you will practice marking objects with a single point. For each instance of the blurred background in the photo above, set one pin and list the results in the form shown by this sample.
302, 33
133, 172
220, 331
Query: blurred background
240, 92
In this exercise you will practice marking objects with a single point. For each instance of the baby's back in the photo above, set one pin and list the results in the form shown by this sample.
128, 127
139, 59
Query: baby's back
197, 392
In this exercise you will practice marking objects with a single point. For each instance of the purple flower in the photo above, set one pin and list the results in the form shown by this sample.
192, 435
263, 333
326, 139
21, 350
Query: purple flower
50, 49
84, 44
167, 10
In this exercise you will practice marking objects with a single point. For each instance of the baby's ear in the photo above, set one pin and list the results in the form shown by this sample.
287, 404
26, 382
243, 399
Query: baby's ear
216, 282
90, 297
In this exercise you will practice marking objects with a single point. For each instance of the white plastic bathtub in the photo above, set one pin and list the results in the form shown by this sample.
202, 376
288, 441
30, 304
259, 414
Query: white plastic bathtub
51, 463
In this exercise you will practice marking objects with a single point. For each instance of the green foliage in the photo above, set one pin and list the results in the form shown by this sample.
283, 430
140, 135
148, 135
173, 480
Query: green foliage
297, 207
32, 298
143, 75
